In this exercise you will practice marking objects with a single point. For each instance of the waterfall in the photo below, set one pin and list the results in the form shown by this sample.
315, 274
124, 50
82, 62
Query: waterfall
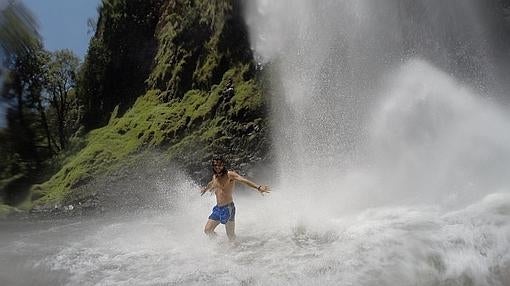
401, 92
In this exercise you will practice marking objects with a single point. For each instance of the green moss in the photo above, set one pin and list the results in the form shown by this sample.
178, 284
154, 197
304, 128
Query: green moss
201, 141
105, 149
247, 97
205, 71
197, 45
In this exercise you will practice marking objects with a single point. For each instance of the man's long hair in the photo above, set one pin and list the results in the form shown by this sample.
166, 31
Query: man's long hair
224, 170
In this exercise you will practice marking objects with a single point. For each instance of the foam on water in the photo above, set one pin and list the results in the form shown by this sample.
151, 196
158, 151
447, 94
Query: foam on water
379, 246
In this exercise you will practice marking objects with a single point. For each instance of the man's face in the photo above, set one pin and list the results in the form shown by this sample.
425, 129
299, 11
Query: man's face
217, 166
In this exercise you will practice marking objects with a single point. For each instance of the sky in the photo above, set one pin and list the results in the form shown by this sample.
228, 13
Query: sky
62, 25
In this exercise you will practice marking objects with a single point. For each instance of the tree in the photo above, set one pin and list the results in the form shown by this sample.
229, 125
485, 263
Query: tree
23, 60
18, 31
60, 82
22, 90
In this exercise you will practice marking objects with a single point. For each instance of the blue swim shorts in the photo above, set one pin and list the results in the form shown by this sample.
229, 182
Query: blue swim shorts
224, 213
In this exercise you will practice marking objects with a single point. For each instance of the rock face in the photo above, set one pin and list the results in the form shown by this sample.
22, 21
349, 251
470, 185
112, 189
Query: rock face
198, 41
204, 49
203, 97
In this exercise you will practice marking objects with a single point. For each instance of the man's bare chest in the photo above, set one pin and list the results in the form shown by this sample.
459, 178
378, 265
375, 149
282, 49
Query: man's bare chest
224, 184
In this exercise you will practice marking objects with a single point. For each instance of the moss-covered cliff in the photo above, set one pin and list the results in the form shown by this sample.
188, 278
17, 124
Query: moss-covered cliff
202, 97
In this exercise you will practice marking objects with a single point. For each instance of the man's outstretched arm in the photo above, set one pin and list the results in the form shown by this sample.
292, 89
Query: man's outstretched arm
207, 188
261, 188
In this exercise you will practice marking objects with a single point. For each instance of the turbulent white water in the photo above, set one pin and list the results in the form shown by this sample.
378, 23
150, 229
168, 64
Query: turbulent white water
278, 245
392, 166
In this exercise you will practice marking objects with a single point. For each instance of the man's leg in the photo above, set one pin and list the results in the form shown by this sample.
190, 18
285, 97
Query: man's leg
230, 227
210, 226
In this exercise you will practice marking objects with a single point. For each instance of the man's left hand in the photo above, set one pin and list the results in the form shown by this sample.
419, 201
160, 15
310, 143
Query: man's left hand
264, 189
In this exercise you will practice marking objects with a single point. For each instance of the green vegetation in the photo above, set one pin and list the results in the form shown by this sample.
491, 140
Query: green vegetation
193, 128
199, 41
42, 112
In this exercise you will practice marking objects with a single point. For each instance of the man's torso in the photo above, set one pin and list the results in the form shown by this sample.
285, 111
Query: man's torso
223, 188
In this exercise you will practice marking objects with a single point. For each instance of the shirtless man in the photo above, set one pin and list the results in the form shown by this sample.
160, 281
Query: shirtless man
222, 184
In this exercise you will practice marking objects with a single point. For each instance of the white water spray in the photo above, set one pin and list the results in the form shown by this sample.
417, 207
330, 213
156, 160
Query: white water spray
390, 93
